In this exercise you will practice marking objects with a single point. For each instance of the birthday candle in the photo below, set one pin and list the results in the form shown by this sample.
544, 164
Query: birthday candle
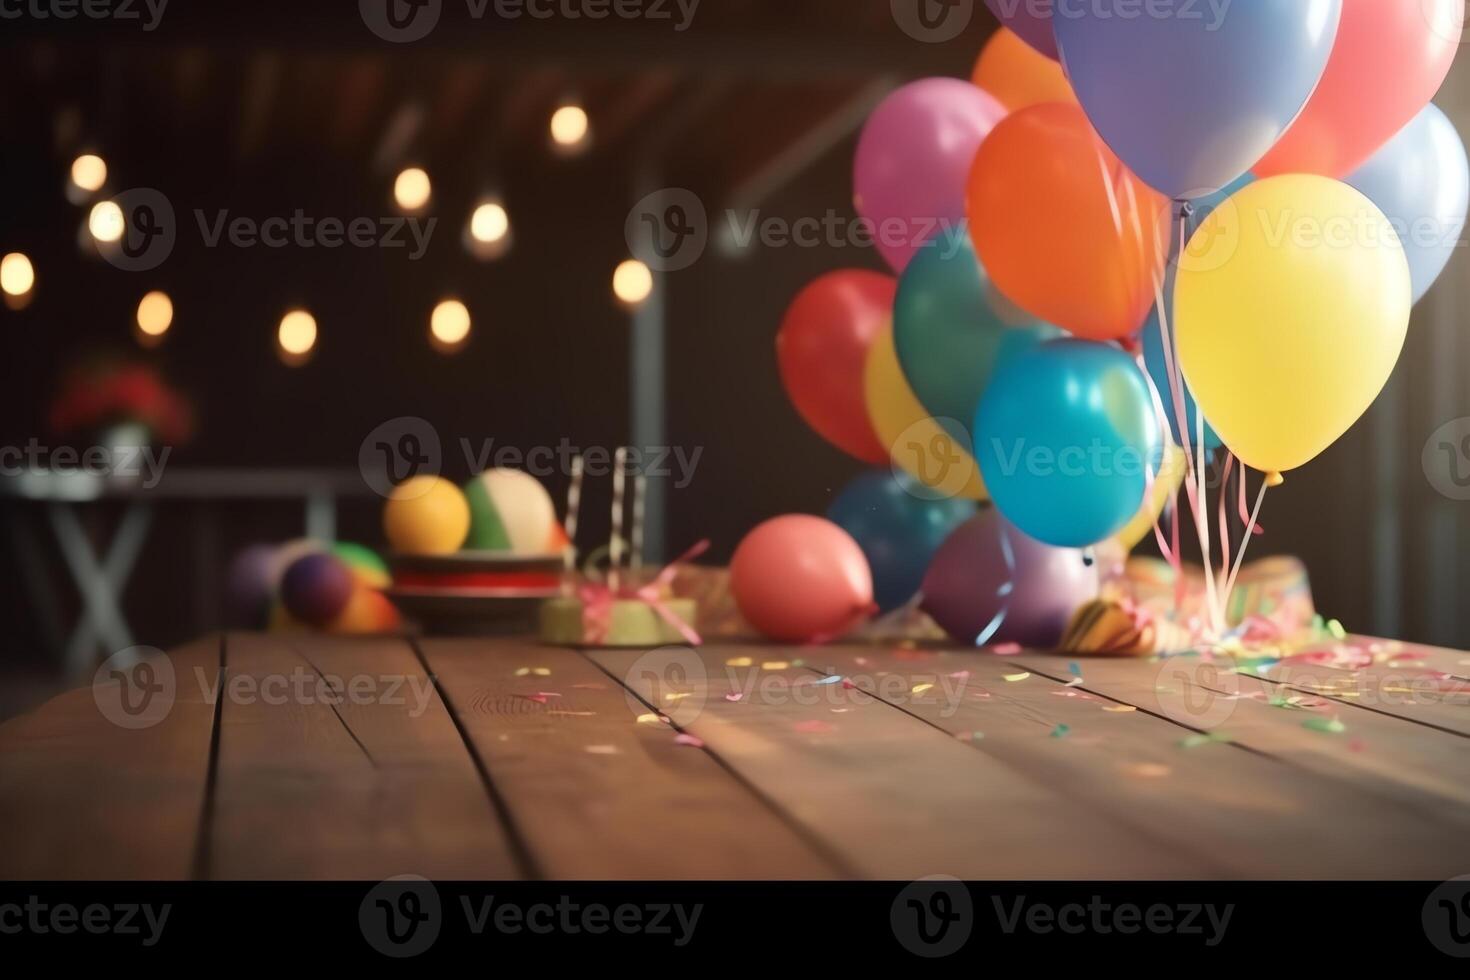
615, 546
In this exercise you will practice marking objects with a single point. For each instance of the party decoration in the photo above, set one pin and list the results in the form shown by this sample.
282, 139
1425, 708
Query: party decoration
897, 530
949, 337
1389, 59
511, 511
1064, 438
1030, 20
1191, 103
1421, 181
1063, 229
801, 579
1018, 75
937, 459
316, 589
822, 350
912, 158
367, 611
1166, 484
426, 515
991, 584
1292, 318
367, 568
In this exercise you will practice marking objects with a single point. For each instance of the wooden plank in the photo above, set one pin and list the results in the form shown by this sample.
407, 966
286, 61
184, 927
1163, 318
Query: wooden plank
82, 797
1247, 813
1418, 769
364, 783
594, 792
895, 796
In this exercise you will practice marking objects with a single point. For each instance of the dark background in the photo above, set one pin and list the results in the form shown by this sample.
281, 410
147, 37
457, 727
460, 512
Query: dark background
264, 107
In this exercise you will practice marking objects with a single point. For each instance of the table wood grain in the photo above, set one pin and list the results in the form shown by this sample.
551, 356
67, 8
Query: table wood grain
302, 757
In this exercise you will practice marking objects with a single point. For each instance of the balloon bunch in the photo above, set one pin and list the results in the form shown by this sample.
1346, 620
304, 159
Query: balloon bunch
1130, 243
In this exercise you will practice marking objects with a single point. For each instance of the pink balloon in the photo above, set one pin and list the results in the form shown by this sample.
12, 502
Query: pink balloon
913, 163
800, 579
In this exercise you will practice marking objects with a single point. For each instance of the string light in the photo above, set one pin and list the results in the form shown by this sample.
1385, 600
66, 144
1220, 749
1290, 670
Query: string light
449, 325
296, 337
17, 275
632, 282
88, 172
570, 127
412, 189
155, 316
487, 235
105, 221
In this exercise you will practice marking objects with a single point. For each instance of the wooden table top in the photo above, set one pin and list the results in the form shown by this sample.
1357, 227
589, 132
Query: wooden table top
503, 759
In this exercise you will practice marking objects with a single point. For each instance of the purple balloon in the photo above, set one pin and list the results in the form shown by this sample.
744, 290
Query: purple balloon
989, 583
1031, 19
913, 163
316, 588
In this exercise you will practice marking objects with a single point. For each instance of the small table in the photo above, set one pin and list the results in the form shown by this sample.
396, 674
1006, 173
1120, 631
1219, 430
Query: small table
101, 578
504, 759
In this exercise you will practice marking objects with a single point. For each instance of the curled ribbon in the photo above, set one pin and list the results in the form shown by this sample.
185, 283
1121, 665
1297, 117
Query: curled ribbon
598, 598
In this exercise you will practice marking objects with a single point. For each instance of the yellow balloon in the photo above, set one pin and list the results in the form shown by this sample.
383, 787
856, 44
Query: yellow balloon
1169, 477
914, 439
1291, 309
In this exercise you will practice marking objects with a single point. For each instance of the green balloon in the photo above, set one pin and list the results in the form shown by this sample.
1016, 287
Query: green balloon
953, 330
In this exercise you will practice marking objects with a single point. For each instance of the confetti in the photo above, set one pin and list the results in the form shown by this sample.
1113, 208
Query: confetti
1195, 741
960, 675
1075, 669
693, 741
812, 727
1013, 678
1329, 726
1061, 731
1149, 770
921, 688
648, 718
1006, 649
601, 749
537, 671
676, 695
734, 696
739, 662
1120, 709
969, 736
832, 679
775, 665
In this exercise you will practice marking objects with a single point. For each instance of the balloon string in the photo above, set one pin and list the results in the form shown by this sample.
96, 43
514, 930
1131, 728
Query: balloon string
1244, 515
1212, 592
1223, 496
1245, 542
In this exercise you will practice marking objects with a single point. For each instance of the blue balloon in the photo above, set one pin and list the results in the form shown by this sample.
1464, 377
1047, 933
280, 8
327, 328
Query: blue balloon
1421, 181
1065, 438
952, 331
1190, 100
898, 529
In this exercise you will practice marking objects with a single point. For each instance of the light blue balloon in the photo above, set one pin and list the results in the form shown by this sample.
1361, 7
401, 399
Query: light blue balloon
1065, 438
1193, 96
898, 529
1421, 181
952, 331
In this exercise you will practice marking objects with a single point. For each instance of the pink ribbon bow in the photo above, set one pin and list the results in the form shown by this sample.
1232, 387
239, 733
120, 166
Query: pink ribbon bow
598, 598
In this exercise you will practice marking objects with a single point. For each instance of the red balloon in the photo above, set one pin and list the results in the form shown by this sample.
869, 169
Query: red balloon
1389, 59
800, 579
822, 351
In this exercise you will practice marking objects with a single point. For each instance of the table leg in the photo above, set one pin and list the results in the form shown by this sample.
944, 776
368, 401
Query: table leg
100, 584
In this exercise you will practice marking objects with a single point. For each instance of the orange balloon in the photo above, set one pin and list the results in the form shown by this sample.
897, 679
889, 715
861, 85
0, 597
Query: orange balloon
1066, 231
1018, 75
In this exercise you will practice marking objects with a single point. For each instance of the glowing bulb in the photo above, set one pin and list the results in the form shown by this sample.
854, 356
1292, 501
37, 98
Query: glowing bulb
89, 172
569, 126
632, 282
450, 324
297, 335
155, 314
490, 223
412, 189
17, 276
105, 221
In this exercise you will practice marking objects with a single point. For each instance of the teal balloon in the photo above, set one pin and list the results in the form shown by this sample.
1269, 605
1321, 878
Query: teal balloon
1065, 438
898, 528
951, 334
